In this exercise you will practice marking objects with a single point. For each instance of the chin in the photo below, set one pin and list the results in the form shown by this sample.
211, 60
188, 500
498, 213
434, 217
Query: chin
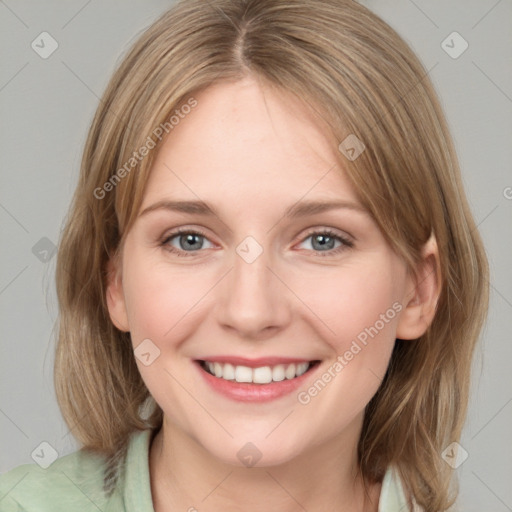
258, 452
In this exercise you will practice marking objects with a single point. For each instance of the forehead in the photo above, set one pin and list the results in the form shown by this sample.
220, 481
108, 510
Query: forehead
245, 141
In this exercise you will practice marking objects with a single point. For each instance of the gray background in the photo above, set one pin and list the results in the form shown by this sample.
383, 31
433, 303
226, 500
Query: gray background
46, 107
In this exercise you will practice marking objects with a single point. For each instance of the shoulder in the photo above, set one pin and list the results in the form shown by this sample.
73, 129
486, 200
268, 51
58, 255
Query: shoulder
393, 497
72, 482
76, 482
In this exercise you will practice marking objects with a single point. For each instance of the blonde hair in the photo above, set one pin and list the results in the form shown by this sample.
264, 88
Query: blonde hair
363, 79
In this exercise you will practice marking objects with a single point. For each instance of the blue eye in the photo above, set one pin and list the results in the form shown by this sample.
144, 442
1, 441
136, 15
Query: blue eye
187, 239
324, 240
191, 241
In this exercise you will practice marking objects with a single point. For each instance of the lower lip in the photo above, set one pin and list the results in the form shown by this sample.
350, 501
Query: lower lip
248, 392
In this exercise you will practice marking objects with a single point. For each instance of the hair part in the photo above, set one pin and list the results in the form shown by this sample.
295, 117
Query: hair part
361, 78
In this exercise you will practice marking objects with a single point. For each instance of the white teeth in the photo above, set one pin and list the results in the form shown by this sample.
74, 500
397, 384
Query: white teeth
228, 372
278, 373
242, 374
260, 375
289, 373
301, 368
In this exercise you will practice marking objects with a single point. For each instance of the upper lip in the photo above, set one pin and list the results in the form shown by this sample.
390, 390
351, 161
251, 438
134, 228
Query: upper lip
256, 363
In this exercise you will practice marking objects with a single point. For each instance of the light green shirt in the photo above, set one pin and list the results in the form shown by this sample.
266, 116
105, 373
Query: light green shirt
74, 482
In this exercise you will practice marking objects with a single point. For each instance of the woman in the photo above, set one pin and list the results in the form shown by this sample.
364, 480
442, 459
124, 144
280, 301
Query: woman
302, 355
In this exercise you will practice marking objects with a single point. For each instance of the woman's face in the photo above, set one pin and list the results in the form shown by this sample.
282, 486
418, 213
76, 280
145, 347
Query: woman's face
262, 294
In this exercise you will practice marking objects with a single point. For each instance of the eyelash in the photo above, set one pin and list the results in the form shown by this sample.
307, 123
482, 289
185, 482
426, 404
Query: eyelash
346, 243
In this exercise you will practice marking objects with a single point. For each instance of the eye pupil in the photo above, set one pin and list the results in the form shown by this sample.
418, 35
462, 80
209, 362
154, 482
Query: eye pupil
324, 241
189, 240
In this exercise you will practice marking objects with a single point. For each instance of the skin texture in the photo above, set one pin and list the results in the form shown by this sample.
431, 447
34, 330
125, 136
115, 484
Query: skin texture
251, 152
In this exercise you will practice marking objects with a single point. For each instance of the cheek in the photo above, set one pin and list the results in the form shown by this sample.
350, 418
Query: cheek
159, 301
356, 308
163, 306
362, 310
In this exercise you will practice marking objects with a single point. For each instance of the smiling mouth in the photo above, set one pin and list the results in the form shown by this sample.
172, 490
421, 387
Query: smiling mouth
258, 375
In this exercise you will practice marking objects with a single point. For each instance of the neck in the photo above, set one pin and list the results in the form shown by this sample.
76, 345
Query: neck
184, 476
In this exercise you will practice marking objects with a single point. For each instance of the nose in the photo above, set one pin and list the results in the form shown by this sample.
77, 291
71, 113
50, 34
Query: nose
253, 301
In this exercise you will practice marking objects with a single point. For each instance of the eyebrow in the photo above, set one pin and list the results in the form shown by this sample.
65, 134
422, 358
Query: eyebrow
299, 209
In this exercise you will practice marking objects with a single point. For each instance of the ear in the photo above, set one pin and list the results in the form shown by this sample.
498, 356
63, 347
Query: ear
422, 294
115, 296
